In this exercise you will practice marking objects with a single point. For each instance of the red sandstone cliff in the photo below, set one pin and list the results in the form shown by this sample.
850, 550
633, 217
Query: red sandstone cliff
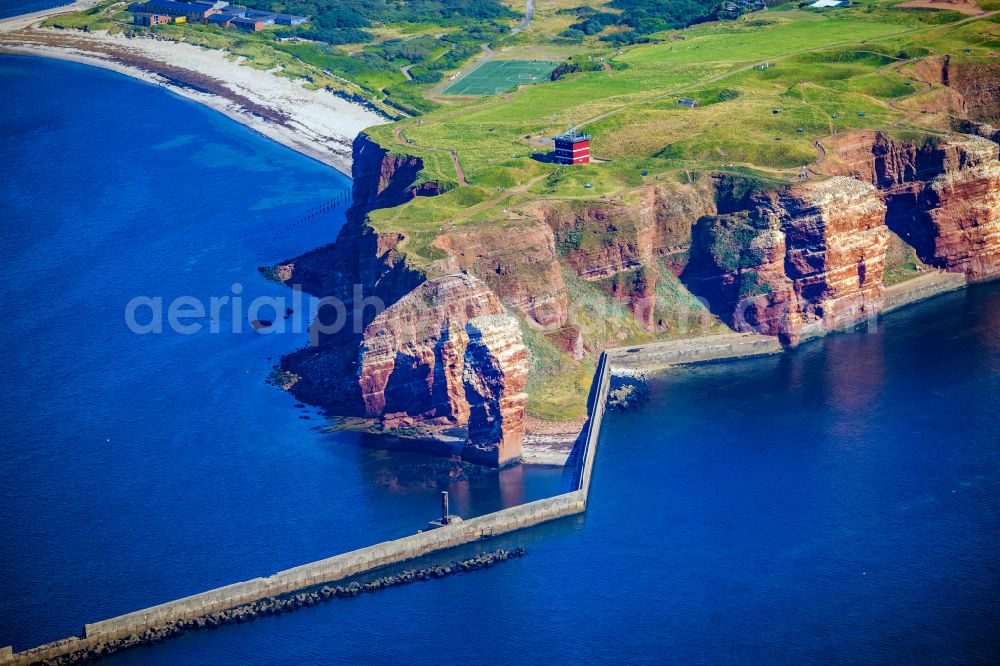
799, 260
790, 261
942, 197
518, 263
448, 354
384, 180
416, 352
624, 248
973, 85
804, 259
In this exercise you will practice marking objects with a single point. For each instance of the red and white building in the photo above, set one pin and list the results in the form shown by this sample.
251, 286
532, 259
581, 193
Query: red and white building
572, 148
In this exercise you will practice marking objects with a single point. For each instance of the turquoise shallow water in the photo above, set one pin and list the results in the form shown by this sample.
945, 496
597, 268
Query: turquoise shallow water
837, 504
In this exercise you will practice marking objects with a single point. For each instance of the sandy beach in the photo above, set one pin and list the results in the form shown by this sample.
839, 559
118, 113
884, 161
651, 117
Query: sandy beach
316, 123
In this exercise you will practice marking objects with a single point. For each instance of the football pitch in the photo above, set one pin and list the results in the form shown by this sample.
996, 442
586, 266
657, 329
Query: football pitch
496, 76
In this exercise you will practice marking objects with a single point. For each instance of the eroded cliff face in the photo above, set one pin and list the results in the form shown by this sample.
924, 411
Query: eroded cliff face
625, 247
383, 180
942, 197
797, 261
447, 354
518, 263
803, 260
421, 354
974, 85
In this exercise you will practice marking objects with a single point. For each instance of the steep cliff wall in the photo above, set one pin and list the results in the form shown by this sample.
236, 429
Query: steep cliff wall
421, 353
518, 263
623, 247
804, 259
942, 196
383, 180
447, 354
973, 84
599, 239
795, 261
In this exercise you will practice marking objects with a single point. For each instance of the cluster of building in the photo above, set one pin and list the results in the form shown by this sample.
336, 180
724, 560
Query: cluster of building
210, 12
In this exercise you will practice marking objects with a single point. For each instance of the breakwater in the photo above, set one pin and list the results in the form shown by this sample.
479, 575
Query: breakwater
154, 622
921, 288
694, 350
144, 626
277, 606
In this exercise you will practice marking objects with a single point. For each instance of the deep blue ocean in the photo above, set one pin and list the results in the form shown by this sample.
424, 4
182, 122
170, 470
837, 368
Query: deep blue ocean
837, 504
17, 7
140, 468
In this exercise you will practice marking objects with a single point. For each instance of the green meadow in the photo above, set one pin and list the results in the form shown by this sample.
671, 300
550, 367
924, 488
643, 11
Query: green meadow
768, 87
826, 73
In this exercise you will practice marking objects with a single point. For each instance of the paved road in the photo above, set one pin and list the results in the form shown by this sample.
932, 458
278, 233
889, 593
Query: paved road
529, 12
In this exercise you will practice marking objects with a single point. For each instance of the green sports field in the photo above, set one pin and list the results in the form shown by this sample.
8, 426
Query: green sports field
496, 76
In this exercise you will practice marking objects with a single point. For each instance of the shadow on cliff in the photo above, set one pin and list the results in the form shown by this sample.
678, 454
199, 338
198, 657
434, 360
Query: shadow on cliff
406, 389
702, 275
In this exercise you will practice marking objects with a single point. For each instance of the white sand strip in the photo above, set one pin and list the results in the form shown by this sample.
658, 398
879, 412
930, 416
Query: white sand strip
316, 123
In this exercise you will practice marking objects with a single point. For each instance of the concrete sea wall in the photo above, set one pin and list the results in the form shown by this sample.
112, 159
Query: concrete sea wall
346, 565
340, 567
922, 288
693, 350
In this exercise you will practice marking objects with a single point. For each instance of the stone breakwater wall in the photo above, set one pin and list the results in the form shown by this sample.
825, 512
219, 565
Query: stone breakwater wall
922, 288
278, 605
592, 428
160, 622
695, 350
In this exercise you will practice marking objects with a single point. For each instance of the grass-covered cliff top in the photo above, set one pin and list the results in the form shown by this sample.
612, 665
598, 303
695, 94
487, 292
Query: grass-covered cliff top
828, 72
869, 66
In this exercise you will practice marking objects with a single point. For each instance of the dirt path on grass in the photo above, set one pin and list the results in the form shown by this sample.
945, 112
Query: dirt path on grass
458, 169
745, 68
529, 13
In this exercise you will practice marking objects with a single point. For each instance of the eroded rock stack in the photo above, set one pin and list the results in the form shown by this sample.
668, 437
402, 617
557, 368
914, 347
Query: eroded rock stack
448, 354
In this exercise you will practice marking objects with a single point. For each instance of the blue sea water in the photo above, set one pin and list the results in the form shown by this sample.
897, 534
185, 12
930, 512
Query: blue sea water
18, 7
140, 468
836, 504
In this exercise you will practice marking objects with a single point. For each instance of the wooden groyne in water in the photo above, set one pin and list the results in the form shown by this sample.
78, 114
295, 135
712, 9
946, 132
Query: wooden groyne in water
340, 567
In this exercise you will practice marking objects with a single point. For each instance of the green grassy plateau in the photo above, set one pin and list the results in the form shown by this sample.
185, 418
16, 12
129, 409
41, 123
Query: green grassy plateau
771, 87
